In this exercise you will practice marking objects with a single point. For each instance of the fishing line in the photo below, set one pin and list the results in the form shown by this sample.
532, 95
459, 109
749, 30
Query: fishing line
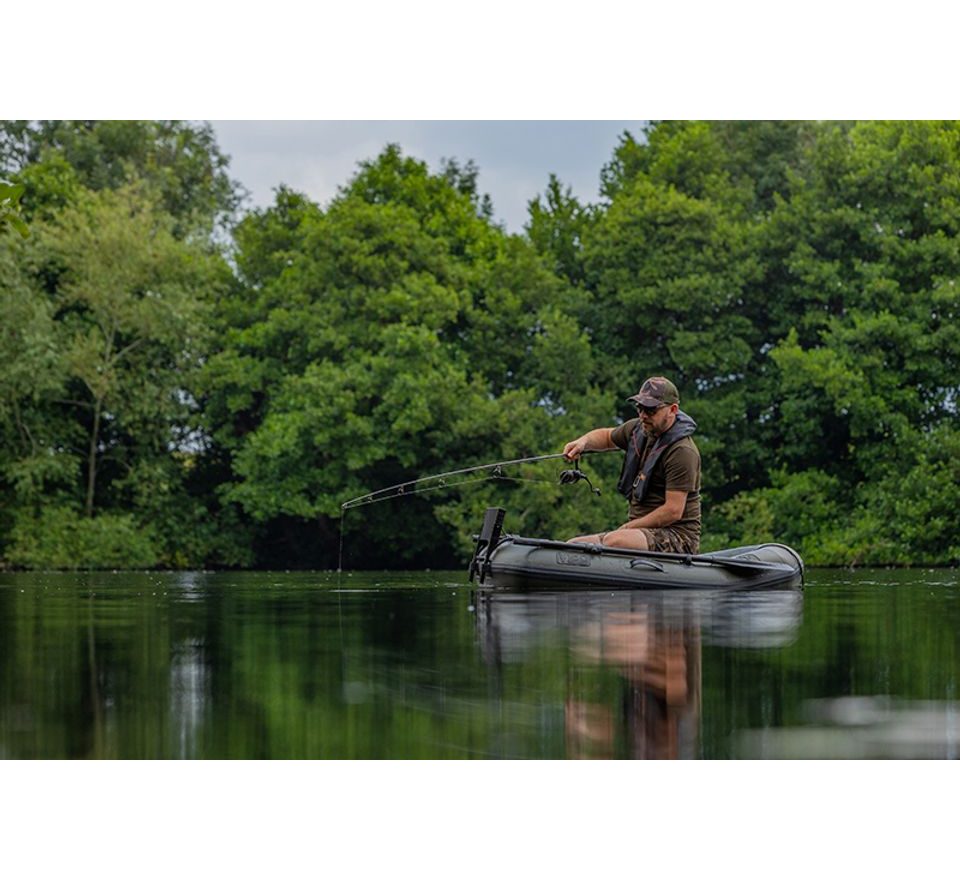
343, 516
412, 487
444, 484
409, 487
528, 480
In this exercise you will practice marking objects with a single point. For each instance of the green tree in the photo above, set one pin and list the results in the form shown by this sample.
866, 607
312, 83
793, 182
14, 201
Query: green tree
870, 244
742, 163
131, 319
179, 161
861, 264
398, 333
556, 229
107, 325
33, 465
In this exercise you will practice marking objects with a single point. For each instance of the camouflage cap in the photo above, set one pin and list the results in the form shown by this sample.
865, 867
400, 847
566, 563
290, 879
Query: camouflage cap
656, 391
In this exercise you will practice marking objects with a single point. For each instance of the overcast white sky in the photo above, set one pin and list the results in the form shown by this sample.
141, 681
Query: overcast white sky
515, 159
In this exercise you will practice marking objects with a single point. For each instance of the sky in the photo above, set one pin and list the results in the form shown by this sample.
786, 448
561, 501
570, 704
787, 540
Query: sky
514, 158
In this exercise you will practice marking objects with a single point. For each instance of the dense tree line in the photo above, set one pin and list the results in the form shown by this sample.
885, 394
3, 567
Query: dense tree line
184, 385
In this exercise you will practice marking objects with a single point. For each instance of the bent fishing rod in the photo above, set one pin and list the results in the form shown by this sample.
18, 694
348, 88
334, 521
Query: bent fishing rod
414, 487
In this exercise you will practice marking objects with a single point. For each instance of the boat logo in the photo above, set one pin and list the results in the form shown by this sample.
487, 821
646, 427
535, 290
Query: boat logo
573, 559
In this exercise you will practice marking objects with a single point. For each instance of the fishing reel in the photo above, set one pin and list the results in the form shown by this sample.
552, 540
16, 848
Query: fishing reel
574, 475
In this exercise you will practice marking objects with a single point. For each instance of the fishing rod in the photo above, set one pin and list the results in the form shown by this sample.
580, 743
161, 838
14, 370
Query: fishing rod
413, 487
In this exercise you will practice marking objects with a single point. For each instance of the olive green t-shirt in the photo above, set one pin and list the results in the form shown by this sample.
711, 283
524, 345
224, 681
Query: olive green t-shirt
677, 469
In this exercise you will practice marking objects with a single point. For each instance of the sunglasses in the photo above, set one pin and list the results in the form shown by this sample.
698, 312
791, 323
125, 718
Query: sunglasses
649, 410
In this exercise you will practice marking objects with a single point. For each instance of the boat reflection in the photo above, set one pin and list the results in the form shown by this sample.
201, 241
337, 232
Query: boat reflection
633, 683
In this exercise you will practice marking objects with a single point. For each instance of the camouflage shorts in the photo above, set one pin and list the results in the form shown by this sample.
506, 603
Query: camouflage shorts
671, 541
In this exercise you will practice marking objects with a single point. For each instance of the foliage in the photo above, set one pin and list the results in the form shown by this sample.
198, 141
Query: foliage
798, 281
10, 195
556, 229
63, 538
107, 327
403, 334
129, 318
179, 161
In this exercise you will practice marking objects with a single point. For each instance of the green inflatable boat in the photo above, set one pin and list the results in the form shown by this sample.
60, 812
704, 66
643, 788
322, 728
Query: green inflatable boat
513, 562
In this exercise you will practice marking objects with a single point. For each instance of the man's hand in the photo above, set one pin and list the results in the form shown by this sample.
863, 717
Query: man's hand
596, 440
574, 449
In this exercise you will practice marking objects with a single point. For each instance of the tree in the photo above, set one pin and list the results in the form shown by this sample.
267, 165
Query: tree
179, 161
131, 320
556, 229
744, 164
33, 467
872, 267
109, 326
860, 267
398, 333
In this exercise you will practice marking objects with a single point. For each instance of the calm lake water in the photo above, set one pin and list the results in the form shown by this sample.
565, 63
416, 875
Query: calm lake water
860, 664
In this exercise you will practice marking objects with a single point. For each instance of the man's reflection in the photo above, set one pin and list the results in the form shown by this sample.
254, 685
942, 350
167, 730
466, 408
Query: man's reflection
633, 681
659, 666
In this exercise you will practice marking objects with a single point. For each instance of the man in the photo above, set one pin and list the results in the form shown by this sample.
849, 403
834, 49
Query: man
660, 475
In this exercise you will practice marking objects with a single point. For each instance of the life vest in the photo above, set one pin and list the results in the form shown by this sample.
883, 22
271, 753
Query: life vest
634, 480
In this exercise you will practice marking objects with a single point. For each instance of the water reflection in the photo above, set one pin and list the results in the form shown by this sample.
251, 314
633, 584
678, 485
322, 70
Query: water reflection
188, 695
862, 727
634, 676
413, 665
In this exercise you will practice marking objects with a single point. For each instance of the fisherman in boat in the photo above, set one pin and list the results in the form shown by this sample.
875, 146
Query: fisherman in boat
660, 475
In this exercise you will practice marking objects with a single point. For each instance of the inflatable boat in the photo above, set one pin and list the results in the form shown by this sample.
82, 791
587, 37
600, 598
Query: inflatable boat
512, 562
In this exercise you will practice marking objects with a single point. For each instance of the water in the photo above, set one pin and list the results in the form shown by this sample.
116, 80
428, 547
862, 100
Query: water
417, 665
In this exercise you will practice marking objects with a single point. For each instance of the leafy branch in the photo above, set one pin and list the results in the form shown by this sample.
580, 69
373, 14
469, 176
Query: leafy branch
10, 194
